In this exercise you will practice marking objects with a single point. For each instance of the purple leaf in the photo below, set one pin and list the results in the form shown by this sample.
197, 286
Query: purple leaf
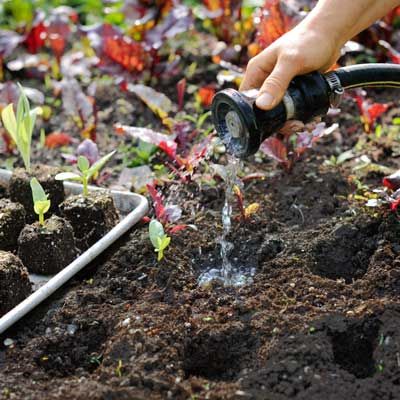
178, 20
172, 213
9, 40
75, 102
88, 149
9, 93
275, 149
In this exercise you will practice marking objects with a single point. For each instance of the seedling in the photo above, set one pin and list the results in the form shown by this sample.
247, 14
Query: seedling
20, 126
41, 204
86, 172
158, 238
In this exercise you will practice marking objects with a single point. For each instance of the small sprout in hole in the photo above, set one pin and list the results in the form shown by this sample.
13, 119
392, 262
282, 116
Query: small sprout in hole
86, 172
41, 204
158, 238
20, 126
96, 359
312, 329
118, 370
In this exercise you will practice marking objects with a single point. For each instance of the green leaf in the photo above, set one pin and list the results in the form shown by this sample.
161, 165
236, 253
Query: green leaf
83, 163
99, 164
203, 119
41, 207
9, 121
156, 231
68, 176
163, 243
38, 194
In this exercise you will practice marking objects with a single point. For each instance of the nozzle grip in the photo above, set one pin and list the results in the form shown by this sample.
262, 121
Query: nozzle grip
307, 97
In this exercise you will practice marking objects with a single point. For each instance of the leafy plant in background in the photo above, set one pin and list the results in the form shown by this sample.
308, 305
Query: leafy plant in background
167, 214
86, 172
369, 110
288, 150
20, 126
389, 195
41, 203
158, 238
245, 211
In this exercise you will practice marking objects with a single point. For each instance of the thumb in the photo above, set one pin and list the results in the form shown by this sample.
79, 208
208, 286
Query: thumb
275, 86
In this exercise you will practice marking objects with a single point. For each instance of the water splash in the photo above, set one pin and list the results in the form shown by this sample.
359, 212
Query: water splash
228, 274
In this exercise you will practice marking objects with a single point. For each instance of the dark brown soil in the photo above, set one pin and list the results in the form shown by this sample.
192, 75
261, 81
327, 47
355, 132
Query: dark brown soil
321, 319
20, 190
91, 217
14, 282
47, 249
12, 220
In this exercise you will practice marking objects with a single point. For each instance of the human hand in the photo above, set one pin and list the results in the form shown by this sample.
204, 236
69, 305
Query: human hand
302, 50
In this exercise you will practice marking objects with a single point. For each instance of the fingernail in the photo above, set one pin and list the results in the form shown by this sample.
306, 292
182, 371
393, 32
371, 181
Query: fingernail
265, 100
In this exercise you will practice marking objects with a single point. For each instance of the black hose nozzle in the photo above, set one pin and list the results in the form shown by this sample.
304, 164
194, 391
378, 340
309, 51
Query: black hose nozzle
242, 126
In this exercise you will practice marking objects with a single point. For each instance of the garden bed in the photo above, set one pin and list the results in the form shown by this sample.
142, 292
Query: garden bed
322, 312
321, 317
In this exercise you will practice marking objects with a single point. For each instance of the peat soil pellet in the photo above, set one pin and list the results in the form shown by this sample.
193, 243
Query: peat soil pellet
47, 249
14, 282
12, 220
20, 190
91, 217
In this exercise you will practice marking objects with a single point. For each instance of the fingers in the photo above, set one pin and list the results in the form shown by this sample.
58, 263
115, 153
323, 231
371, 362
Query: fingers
276, 84
258, 69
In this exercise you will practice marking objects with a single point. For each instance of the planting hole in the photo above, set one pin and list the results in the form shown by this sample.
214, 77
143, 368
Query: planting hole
353, 349
345, 252
219, 355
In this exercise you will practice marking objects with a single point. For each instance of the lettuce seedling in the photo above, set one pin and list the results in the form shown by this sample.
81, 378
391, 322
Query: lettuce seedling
86, 172
41, 204
20, 126
158, 238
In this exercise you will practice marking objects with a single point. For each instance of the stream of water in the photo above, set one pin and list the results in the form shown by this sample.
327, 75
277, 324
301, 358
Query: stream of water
231, 272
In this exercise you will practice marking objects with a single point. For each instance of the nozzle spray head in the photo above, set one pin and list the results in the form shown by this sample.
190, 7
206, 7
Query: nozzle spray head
242, 126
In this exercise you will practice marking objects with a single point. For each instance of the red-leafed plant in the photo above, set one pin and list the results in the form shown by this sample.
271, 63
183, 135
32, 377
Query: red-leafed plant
389, 195
183, 165
245, 212
369, 111
288, 149
167, 214
112, 47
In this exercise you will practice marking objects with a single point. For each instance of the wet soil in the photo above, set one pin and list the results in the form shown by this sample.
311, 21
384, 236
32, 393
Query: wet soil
320, 320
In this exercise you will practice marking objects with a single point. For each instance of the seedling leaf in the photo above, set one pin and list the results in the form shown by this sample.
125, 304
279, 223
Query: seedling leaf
99, 164
68, 176
83, 163
41, 204
9, 121
158, 238
41, 207
38, 193
156, 230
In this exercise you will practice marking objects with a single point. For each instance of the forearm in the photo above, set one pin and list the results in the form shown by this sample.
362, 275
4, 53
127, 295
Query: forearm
343, 19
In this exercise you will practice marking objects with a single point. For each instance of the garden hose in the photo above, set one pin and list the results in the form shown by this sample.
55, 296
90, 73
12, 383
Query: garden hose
242, 126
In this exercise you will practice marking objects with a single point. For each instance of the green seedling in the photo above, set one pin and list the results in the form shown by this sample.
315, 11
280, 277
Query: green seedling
86, 172
41, 204
158, 238
20, 126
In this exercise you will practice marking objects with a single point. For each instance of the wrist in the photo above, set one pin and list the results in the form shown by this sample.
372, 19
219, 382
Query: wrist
327, 28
